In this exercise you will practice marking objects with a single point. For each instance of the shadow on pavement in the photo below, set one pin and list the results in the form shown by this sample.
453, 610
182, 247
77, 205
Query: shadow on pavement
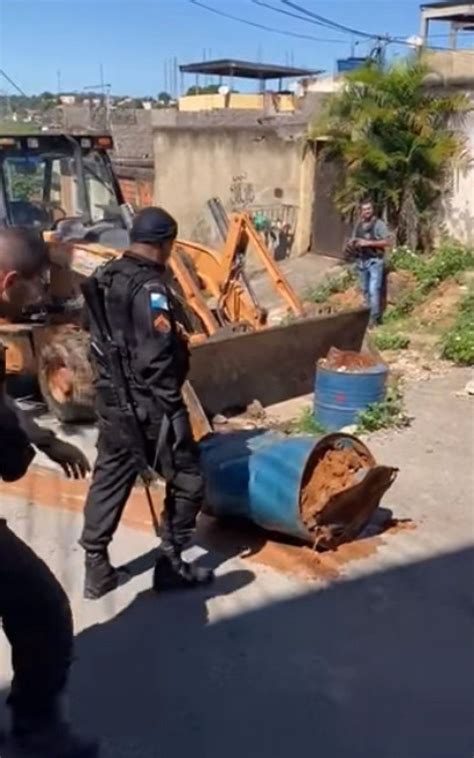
378, 667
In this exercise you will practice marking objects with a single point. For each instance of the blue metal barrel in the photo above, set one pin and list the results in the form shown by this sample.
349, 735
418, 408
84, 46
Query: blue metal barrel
258, 475
340, 395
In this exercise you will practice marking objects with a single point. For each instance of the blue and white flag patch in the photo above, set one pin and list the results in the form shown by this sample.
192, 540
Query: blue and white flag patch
158, 301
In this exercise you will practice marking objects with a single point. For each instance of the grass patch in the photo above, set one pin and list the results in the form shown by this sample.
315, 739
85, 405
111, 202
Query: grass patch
306, 424
385, 340
332, 285
458, 342
387, 414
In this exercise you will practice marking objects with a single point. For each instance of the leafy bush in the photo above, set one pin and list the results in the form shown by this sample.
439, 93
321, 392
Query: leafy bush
450, 259
307, 424
405, 306
458, 342
384, 340
386, 414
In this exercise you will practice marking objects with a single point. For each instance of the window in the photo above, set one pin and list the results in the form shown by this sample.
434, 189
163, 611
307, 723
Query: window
43, 188
100, 189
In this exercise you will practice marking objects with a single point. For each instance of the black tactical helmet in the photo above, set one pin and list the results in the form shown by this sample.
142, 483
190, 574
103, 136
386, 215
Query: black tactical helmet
153, 225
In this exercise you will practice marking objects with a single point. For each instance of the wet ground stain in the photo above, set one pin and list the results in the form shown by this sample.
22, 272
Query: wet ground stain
252, 544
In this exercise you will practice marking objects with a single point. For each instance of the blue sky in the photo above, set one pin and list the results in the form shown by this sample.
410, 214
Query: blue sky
134, 38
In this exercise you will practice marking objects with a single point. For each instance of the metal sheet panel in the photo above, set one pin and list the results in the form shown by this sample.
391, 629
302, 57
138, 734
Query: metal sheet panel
272, 365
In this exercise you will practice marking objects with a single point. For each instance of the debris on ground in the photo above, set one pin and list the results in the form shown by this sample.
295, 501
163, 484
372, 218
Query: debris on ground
348, 361
256, 411
468, 390
410, 364
253, 545
219, 419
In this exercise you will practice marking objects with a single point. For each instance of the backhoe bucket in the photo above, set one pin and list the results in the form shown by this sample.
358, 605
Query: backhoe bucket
321, 491
273, 364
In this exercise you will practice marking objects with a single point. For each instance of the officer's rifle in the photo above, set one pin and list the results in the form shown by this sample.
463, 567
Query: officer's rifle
109, 352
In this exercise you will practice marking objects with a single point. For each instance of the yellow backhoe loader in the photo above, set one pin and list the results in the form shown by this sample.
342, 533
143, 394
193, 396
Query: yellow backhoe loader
64, 186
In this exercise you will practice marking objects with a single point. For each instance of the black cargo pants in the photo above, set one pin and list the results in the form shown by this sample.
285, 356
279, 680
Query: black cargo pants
113, 477
37, 622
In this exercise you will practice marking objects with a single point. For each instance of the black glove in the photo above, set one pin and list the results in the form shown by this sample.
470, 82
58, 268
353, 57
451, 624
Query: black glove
72, 460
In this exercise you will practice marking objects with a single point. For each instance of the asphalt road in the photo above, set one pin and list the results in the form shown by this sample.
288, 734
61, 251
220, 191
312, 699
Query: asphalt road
378, 664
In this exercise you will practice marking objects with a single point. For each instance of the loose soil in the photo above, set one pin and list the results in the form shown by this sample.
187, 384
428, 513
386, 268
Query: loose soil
348, 360
344, 301
253, 545
441, 306
398, 284
335, 472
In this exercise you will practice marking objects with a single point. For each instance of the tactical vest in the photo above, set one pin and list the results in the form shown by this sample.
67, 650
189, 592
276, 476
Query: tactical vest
367, 232
120, 281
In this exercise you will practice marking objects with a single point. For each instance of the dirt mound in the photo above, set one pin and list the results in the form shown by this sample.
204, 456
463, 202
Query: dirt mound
348, 360
441, 306
398, 284
345, 301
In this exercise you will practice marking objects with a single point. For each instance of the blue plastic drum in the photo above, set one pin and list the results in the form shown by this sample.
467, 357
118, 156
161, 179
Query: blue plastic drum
341, 395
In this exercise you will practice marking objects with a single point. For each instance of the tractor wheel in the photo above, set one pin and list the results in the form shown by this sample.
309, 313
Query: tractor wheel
65, 374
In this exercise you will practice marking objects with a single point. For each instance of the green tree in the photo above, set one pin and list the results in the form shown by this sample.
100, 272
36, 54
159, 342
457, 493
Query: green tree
164, 98
210, 89
397, 140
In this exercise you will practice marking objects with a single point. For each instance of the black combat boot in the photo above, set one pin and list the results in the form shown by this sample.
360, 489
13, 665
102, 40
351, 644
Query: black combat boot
53, 741
171, 572
101, 576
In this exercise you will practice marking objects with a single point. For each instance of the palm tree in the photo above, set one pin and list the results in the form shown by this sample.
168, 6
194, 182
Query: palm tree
397, 140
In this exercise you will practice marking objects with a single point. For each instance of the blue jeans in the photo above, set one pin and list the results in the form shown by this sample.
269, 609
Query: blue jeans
370, 272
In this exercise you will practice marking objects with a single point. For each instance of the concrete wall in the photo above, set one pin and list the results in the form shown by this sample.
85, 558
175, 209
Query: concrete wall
451, 67
458, 204
249, 165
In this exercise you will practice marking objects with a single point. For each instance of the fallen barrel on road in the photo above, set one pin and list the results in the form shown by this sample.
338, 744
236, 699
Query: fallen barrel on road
322, 491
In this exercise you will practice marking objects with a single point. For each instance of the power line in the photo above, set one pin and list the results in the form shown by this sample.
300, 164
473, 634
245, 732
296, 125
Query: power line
289, 13
10, 81
319, 20
266, 28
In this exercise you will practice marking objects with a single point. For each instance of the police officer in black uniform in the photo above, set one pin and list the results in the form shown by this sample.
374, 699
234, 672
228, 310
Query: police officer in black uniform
143, 315
34, 610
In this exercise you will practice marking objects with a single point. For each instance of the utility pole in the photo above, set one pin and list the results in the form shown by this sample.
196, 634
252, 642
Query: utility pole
105, 89
175, 77
58, 80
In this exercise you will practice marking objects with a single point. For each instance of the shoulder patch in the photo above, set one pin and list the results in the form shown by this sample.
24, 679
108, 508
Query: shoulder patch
162, 323
158, 301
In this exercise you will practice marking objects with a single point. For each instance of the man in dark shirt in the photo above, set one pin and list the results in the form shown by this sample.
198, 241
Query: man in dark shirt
370, 241
34, 609
143, 316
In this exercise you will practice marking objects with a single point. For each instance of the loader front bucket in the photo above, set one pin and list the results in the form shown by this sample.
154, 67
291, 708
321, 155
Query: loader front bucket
321, 491
273, 364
